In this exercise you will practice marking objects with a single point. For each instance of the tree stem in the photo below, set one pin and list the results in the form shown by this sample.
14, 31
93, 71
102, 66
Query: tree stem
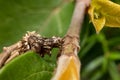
77, 19
68, 64
71, 40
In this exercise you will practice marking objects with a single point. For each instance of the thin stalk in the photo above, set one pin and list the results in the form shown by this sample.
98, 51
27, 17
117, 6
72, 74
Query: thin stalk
72, 35
68, 64
77, 19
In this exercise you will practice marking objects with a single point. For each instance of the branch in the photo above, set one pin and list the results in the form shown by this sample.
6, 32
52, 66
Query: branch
31, 41
68, 65
7, 52
78, 17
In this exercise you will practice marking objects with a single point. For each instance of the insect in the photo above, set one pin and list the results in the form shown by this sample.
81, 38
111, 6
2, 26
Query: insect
31, 41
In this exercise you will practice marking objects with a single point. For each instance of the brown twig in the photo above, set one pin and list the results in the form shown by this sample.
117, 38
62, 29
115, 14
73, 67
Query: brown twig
7, 52
31, 41
70, 46
41, 45
72, 35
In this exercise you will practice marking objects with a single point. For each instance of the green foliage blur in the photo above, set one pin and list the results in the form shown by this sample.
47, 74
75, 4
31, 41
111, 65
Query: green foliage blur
99, 53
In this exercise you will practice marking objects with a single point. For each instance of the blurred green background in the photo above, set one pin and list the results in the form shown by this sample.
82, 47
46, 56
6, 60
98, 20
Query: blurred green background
99, 54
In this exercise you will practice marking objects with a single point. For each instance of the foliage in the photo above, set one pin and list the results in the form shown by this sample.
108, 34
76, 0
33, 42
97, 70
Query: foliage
104, 13
32, 68
99, 53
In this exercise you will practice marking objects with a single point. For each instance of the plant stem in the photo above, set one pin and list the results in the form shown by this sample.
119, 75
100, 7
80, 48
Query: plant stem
72, 35
68, 64
7, 52
77, 19
31, 41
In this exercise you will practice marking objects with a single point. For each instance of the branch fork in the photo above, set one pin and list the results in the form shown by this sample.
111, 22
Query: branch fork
68, 64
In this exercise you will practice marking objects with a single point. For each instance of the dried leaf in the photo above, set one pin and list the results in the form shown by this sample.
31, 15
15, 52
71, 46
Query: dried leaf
104, 13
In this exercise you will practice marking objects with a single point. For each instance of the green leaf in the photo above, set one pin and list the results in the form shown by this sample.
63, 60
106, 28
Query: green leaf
97, 75
28, 66
43, 75
114, 73
104, 13
49, 18
90, 43
114, 56
92, 66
